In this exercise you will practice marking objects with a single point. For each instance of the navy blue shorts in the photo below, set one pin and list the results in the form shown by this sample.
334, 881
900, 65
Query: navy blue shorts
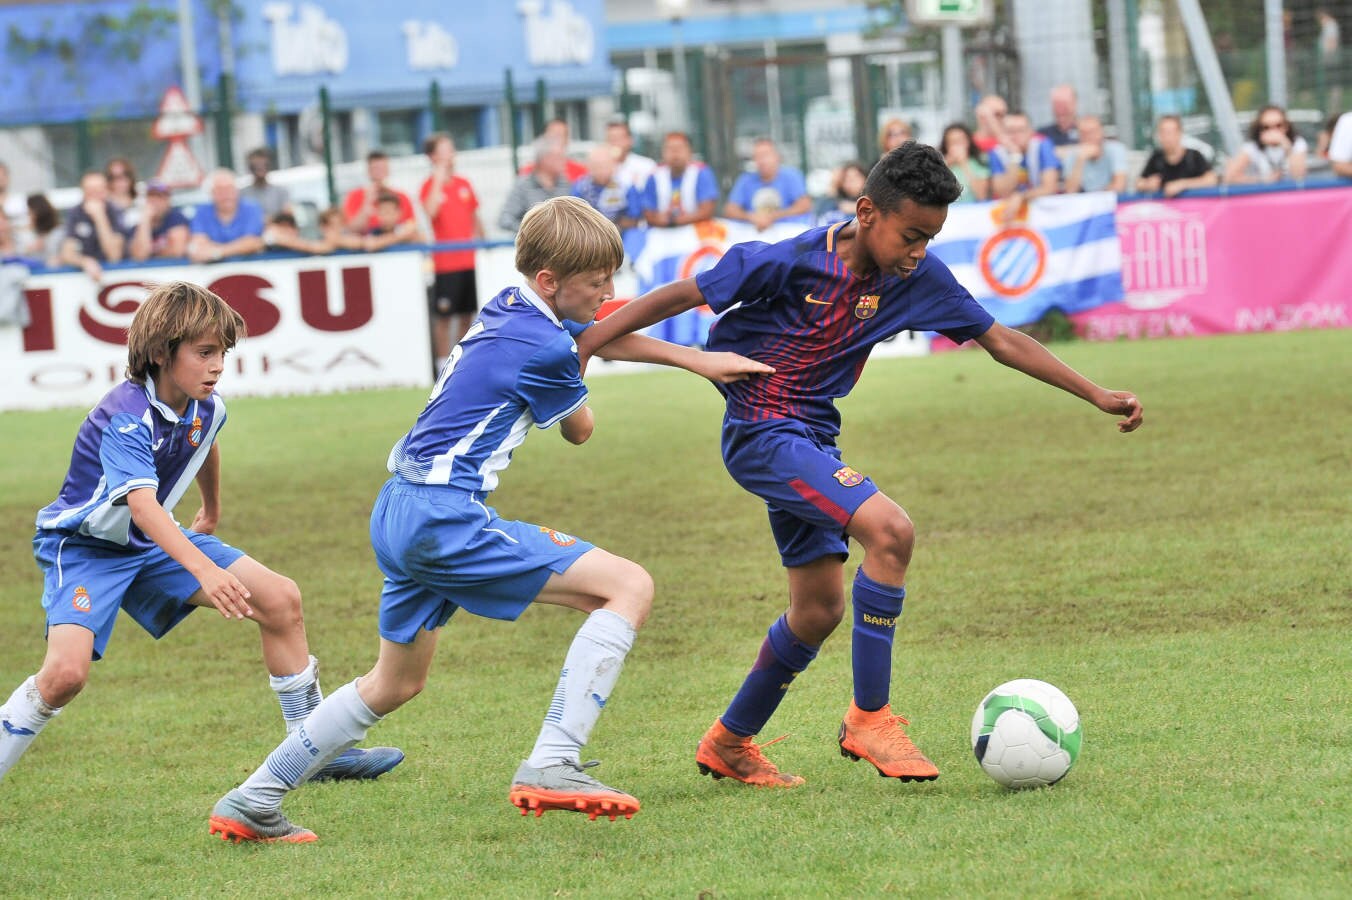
86, 585
809, 492
441, 549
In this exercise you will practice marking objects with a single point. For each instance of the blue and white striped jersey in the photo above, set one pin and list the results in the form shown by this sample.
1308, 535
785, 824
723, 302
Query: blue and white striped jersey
130, 440
517, 366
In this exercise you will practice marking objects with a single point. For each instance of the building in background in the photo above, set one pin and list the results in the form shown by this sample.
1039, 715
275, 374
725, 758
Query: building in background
83, 81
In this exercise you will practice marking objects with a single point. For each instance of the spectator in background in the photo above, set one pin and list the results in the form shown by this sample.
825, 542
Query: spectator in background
9, 246
44, 225
893, 133
1063, 130
271, 198
392, 228
557, 130
1340, 146
1096, 163
964, 161
1173, 168
990, 124
680, 191
359, 206
163, 230
11, 204
633, 169
847, 186
283, 233
227, 226
453, 209
93, 229
604, 192
1273, 151
772, 193
547, 179
1026, 169
121, 175
333, 233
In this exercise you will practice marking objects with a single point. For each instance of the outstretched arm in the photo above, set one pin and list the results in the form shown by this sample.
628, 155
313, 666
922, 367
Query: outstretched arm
1019, 351
720, 367
652, 307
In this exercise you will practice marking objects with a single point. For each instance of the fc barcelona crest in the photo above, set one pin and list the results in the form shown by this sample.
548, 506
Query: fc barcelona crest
867, 306
847, 476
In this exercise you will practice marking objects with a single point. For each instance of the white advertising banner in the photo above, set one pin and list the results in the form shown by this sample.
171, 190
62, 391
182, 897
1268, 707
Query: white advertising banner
315, 325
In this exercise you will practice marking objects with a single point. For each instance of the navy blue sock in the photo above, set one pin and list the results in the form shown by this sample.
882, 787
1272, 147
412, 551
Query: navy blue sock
782, 656
876, 608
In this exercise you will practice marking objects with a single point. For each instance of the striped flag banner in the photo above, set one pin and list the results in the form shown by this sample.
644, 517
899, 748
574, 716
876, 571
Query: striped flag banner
1062, 253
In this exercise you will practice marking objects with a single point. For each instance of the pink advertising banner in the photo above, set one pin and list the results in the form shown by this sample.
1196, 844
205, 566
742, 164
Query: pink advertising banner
1258, 262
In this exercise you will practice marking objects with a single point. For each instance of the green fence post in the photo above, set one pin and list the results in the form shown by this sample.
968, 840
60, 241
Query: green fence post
509, 93
434, 104
325, 117
800, 107
225, 155
541, 97
84, 148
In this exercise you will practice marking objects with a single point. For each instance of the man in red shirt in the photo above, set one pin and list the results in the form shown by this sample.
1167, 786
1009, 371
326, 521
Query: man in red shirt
453, 210
359, 206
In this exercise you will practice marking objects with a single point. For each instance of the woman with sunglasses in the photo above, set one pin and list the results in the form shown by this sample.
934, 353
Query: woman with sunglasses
121, 177
1274, 151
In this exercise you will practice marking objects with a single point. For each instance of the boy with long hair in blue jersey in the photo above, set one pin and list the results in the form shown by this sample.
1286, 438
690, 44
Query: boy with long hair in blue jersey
441, 547
109, 540
812, 307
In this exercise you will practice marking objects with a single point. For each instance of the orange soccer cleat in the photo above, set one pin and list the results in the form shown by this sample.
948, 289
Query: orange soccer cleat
723, 754
567, 786
878, 737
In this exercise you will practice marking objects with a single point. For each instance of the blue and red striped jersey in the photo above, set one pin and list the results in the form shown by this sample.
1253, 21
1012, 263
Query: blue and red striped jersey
795, 306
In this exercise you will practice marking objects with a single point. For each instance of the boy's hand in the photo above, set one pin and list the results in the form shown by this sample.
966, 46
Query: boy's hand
226, 592
1122, 403
202, 523
724, 368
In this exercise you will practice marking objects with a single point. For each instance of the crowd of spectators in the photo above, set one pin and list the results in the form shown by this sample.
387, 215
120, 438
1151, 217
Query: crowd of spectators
121, 218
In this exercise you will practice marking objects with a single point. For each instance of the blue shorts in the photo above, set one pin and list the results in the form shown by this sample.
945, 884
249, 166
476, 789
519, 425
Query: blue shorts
86, 585
441, 549
810, 494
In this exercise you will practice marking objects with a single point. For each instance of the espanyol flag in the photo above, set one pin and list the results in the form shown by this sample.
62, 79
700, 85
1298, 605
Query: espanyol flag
1063, 253
663, 255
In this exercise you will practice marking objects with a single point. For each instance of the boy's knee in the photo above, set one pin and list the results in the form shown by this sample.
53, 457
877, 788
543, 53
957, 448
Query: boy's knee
632, 594
60, 681
281, 608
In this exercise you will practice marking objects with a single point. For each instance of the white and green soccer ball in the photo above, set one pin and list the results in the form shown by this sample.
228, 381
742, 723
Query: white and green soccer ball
1026, 734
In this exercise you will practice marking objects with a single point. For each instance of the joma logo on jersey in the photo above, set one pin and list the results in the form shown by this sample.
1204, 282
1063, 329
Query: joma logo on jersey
81, 599
867, 306
195, 432
888, 622
558, 537
847, 476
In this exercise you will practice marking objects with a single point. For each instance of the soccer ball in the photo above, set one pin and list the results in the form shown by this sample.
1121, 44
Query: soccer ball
1026, 734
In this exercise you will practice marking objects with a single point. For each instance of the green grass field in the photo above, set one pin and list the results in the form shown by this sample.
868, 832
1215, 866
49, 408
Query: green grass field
1189, 586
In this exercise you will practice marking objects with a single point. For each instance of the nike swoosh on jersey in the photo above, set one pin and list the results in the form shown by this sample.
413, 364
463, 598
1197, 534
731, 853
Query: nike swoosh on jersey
811, 299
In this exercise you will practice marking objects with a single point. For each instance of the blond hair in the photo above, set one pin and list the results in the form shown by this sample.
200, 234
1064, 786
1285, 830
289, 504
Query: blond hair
566, 236
171, 314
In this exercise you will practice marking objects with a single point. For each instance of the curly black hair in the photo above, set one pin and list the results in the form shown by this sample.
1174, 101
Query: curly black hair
915, 172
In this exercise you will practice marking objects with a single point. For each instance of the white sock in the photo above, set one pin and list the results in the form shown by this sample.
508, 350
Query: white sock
24, 714
338, 723
590, 671
298, 694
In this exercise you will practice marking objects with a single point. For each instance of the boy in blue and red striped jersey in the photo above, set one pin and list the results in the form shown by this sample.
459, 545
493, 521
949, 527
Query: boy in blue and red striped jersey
109, 541
812, 307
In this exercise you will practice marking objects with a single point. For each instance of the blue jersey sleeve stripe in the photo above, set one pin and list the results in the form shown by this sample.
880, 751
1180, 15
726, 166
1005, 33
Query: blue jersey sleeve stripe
582, 401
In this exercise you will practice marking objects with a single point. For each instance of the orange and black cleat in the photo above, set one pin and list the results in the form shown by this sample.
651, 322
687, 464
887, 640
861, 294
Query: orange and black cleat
723, 754
567, 786
878, 737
